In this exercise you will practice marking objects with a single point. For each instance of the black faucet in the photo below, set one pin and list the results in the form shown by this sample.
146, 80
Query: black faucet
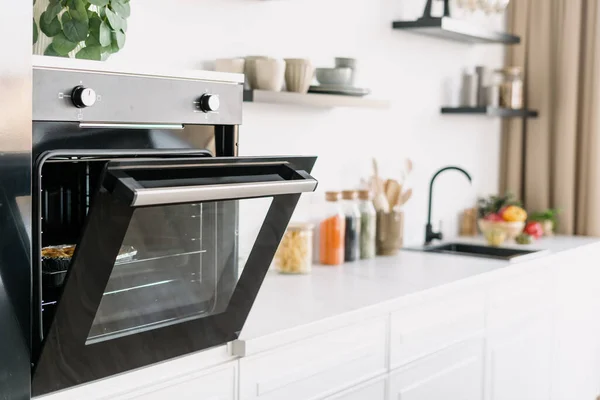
429, 233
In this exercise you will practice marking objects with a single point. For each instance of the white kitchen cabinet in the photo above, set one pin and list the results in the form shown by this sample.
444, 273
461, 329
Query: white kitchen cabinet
371, 390
435, 324
519, 361
207, 375
520, 336
213, 384
317, 367
576, 373
454, 373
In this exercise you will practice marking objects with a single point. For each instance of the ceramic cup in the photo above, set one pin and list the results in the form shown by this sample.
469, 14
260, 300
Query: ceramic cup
390, 232
299, 74
346, 62
250, 70
270, 74
233, 65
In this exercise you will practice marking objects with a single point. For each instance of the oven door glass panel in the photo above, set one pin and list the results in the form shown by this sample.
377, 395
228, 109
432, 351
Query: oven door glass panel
177, 262
165, 265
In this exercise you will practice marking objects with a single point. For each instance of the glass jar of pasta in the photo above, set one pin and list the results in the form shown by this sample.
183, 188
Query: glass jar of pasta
295, 253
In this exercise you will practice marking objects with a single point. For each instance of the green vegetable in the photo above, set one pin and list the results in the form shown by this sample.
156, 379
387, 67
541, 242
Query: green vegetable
96, 28
524, 238
550, 214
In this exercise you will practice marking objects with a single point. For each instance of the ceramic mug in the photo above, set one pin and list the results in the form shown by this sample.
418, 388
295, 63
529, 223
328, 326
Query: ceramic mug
233, 65
270, 74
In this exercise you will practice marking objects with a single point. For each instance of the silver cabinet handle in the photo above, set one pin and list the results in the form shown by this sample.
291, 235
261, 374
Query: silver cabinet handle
186, 194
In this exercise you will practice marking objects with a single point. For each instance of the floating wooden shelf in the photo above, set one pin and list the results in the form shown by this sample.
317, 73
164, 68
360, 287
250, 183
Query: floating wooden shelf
456, 30
491, 112
313, 99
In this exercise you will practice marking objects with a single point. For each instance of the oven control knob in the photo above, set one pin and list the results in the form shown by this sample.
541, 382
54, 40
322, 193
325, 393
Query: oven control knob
209, 103
83, 97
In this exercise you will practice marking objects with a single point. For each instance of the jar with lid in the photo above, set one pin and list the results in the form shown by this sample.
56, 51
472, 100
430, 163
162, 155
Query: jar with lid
352, 216
332, 229
511, 88
294, 255
368, 225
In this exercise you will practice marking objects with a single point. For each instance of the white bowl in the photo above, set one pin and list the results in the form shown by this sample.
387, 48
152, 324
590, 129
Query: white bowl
234, 65
512, 229
334, 76
298, 74
270, 74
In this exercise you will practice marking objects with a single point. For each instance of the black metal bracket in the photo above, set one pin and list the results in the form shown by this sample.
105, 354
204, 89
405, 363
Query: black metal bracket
428, 6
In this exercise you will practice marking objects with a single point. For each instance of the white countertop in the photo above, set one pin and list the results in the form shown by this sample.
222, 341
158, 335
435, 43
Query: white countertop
289, 307
63, 63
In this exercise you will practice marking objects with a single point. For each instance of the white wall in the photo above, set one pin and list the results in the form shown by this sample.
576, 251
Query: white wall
409, 70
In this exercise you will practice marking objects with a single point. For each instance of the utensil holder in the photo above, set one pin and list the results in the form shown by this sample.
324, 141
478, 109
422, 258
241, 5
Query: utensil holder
390, 232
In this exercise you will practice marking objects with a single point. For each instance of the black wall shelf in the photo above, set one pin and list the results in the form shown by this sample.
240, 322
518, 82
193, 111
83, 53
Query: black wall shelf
456, 30
492, 112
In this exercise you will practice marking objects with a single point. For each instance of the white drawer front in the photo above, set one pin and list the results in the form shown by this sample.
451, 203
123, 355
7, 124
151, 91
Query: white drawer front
424, 329
519, 299
215, 384
372, 390
318, 366
455, 373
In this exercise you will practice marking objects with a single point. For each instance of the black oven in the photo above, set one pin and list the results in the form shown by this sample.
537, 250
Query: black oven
151, 237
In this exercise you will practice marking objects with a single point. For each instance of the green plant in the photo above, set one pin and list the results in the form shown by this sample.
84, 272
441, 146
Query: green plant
550, 214
96, 26
493, 204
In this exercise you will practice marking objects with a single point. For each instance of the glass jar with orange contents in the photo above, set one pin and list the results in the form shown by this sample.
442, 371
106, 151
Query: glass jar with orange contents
332, 231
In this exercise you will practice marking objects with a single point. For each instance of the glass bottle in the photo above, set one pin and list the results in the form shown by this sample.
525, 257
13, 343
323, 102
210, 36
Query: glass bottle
331, 231
368, 225
352, 215
511, 88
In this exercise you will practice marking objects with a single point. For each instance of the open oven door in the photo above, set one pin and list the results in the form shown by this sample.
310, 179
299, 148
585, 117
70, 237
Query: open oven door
170, 260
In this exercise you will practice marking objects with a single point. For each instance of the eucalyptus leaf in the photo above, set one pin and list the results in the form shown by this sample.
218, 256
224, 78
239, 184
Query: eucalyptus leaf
78, 10
91, 14
52, 28
124, 25
99, 3
121, 8
90, 53
74, 30
104, 36
51, 52
51, 12
102, 12
35, 32
114, 20
62, 45
118, 37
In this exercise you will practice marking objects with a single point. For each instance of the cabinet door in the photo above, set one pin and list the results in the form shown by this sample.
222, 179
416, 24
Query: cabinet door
455, 373
576, 372
372, 390
519, 360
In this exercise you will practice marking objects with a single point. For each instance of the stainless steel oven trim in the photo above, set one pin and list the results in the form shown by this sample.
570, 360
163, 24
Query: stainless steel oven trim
183, 194
113, 125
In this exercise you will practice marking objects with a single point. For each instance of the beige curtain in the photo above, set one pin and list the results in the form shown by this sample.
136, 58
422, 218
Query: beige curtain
558, 163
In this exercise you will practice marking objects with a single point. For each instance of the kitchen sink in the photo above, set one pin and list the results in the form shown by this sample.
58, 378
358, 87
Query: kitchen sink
474, 250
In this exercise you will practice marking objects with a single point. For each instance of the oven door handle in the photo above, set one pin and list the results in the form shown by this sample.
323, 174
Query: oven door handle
187, 194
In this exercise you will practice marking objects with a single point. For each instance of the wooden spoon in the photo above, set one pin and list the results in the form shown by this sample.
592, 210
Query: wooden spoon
393, 190
405, 197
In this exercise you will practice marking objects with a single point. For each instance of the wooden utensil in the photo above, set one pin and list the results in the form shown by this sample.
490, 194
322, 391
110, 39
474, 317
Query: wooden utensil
379, 200
393, 190
405, 197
